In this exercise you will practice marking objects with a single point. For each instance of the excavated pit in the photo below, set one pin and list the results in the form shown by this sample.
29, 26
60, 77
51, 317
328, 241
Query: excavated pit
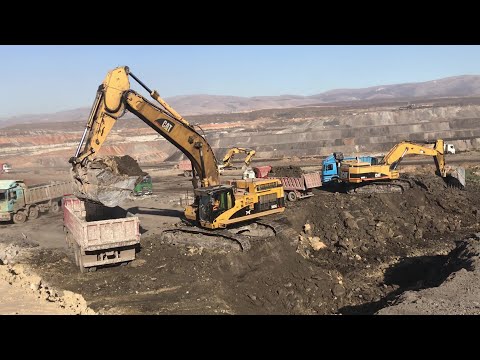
450, 287
358, 253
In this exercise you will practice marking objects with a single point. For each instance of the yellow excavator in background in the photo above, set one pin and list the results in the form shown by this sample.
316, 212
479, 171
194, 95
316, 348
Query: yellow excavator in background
363, 177
227, 159
215, 205
248, 172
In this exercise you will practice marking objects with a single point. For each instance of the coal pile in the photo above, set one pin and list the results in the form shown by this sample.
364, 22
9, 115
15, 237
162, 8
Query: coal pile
286, 171
126, 165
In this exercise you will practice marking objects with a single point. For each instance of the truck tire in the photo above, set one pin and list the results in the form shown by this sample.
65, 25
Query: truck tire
187, 173
33, 212
55, 208
19, 217
292, 196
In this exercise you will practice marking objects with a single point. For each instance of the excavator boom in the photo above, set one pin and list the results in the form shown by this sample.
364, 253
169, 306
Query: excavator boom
215, 205
113, 98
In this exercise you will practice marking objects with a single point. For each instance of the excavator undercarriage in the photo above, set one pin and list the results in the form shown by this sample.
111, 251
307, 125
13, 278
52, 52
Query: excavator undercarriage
381, 187
239, 237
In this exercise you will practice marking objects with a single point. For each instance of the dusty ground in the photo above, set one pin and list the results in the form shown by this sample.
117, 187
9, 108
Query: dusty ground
454, 283
25, 293
371, 248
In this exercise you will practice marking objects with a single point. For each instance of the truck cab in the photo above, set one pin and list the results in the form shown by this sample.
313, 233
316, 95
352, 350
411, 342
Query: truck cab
331, 165
11, 198
144, 187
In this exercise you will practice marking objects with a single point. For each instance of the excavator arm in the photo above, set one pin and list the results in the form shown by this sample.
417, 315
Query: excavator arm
227, 159
114, 97
398, 152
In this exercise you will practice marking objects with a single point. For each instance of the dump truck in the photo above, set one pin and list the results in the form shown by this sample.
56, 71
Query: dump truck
99, 235
301, 187
294, 187
19, 202
186, 166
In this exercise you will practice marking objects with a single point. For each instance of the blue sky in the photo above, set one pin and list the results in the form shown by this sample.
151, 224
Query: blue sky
40, 79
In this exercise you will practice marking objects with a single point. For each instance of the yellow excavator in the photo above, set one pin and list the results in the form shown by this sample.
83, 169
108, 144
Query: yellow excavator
248, 172
363, 177
215, 205
227, 159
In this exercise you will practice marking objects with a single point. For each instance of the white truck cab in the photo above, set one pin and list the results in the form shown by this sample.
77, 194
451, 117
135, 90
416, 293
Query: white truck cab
449, 149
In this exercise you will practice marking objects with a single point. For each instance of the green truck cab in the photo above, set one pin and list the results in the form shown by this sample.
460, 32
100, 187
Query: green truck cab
11, 198
144, 187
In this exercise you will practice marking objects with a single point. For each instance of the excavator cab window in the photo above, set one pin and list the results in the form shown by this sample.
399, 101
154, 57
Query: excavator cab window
215, 203
13, 195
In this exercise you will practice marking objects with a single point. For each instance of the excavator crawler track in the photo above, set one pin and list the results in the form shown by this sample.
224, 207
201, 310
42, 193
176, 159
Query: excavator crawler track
238, 240
398, 186
242, 240
277, 224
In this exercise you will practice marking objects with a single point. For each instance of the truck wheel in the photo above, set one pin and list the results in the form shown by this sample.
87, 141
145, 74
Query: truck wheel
55, 208
187, 173
33, 213
292, 196
19, 217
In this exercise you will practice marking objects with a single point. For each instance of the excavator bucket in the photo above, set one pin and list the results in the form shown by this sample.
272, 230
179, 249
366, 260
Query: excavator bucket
107, 180
456, 178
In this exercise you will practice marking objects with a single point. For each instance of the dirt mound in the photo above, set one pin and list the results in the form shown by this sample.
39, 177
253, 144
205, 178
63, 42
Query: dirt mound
24, 292
350, 222
459, 294
122, 165
286, 171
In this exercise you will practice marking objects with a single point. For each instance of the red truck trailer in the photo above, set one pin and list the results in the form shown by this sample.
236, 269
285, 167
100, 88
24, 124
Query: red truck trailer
294, 187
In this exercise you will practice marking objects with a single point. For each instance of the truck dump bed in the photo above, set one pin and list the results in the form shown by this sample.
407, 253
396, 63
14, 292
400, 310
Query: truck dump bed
100, 242
185, 165
41, 193
305, 182
95, 235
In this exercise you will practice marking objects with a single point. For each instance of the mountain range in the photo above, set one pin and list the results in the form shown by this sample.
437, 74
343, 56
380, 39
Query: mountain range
456, 86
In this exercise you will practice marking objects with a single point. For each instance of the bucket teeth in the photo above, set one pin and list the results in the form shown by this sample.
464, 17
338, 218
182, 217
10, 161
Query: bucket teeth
456, 179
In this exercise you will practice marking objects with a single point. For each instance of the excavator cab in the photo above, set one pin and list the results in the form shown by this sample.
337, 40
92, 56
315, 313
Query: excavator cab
214, 201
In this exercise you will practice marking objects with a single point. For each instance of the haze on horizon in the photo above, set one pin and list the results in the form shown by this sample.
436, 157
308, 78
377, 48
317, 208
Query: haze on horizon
46, 79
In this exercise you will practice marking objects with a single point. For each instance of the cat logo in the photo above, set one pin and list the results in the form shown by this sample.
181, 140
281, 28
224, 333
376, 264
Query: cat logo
166, 125
248, 212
